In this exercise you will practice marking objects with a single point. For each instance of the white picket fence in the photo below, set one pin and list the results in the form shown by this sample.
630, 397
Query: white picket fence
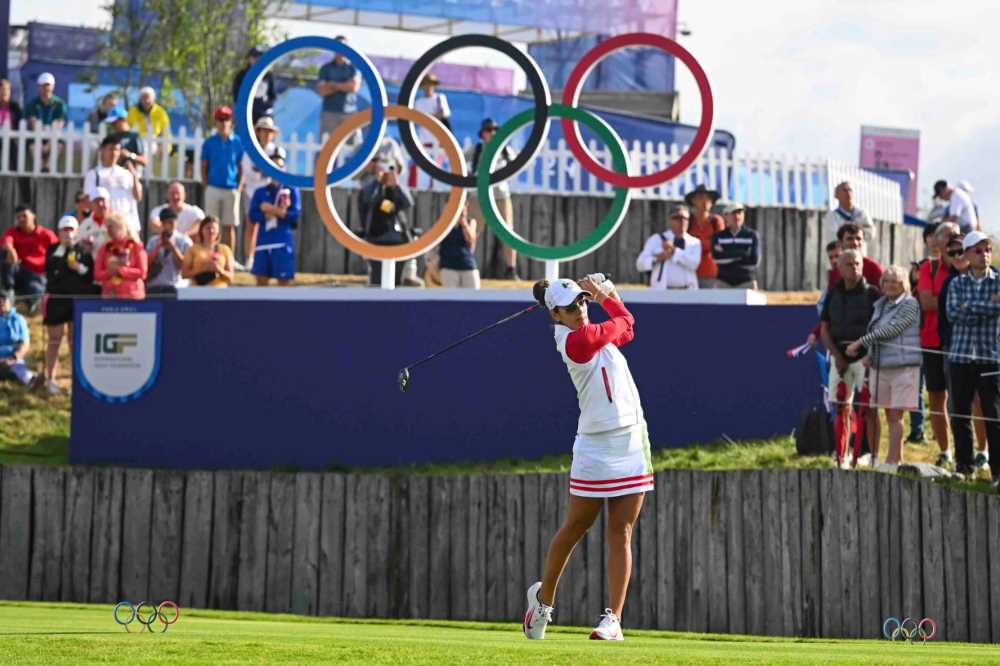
756, 180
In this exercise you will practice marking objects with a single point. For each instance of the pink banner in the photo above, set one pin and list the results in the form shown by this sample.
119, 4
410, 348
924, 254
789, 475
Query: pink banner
892, 148
492, 80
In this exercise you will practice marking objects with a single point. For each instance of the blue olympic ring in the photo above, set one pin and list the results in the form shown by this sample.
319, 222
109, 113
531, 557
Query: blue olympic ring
372, 139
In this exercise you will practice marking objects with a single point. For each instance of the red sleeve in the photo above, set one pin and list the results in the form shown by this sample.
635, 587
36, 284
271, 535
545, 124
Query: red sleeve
584, 343
8, 237
872, 270
924, 279
137, 264
831, 278
101, 265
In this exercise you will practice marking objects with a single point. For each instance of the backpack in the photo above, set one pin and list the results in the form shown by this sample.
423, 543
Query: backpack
814, 436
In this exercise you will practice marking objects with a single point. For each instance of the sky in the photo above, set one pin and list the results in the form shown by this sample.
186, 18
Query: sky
796, 77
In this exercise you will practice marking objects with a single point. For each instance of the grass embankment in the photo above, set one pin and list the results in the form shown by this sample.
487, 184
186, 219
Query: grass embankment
46, 633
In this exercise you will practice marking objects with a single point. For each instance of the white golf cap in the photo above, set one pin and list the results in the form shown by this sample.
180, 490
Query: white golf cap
562, 292
973, 238
46, 78
99, 193
68, 222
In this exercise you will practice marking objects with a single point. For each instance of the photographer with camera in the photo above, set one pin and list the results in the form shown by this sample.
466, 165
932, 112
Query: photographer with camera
121, 182
382, 203
166, 255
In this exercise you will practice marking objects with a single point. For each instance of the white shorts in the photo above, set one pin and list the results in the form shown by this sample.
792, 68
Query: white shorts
224, 204
612, 464
854, 378
897, 388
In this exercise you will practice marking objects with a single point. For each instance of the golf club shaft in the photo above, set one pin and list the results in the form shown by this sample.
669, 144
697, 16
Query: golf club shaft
474, 334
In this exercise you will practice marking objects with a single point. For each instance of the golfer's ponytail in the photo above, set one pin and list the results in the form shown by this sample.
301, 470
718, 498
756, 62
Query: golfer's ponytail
538, 291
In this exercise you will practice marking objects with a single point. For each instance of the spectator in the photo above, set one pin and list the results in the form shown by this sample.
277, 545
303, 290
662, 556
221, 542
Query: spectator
973, 307
389, 157
48, 110
967, 187
14, 342
186, 216
736, 251
338, 85
933, 256
70, 272
846, 212
673, 255
274, 215
832, 255
846, 313
92, 234
166, 251
893, 342
704, 225
121, 264
132, 145
266, 131
390, 153
121, 182
501, 191
457, 254
22, 256
434, 104
81, 206
851, 237
960, 207
382, 204
222, 175
147, 117
958, 264
10, 111
263, 95
208, 263
99, 114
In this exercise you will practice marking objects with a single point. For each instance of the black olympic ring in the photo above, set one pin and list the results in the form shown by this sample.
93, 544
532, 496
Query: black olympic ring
147, 620
539, 89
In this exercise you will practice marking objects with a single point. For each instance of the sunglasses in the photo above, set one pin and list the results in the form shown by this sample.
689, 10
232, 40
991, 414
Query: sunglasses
955, 253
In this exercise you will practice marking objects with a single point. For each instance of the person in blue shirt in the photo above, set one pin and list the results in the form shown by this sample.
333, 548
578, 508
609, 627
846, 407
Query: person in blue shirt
14, 341
274, 215
222, 174
338, 85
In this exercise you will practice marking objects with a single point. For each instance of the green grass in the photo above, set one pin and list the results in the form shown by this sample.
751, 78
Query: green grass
81, 634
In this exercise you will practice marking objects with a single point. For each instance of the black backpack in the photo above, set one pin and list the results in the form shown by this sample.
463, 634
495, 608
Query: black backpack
814, 435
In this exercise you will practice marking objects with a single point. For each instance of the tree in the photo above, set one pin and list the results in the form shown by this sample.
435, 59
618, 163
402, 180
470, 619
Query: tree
125, 51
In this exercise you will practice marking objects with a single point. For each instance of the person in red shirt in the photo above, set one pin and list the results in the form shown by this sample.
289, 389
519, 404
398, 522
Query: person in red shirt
22, 256
121, 264
703, 226
852, 237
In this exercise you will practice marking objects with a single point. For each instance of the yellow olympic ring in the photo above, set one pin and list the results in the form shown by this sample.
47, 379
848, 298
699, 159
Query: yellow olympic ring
340, 231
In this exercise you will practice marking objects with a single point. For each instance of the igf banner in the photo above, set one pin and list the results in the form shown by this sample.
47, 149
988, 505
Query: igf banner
117, 347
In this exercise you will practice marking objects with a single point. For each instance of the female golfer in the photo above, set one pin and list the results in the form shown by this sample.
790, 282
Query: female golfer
611, 453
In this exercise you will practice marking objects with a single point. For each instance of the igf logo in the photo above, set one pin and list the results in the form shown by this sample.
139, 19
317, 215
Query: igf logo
114, 343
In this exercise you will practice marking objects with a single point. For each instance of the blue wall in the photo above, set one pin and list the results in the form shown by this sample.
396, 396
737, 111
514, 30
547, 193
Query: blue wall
307, 384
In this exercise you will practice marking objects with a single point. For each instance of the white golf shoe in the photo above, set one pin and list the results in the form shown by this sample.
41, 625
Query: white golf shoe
608, 629
538, 615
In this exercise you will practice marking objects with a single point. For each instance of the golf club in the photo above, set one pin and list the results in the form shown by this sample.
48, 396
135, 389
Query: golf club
404, 375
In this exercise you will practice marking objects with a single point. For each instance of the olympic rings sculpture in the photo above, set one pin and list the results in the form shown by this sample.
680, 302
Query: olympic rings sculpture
457, 176
155, 614
909, 629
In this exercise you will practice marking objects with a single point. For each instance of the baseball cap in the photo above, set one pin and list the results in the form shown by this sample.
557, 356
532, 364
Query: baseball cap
223, 113
99, 193
561, 292
68, 222
46, 78
117, 113
167, 213
973, 238
488, 124
732, 208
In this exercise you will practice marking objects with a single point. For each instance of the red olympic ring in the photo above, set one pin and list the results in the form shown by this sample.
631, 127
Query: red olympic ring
571, 96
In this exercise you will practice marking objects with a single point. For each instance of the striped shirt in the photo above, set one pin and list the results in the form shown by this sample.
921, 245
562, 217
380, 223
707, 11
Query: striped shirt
973, 314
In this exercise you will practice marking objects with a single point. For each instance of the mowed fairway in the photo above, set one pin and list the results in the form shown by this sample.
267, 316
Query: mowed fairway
70, 633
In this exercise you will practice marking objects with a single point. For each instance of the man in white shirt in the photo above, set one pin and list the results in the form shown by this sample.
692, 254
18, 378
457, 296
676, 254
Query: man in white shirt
187, 215
672, 256
92, 234
122, 183
960, 206
846, 212
434, 104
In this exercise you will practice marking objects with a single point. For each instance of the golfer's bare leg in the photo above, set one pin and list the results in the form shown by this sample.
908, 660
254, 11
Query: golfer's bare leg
622, 514
580, 516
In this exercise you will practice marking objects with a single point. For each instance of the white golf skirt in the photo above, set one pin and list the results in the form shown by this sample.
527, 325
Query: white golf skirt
613, 463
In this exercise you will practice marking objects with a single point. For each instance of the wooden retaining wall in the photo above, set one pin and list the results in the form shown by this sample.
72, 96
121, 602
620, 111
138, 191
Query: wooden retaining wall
792, 553
793, 240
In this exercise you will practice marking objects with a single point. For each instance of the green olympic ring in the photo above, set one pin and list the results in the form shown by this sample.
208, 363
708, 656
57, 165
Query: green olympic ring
594, 239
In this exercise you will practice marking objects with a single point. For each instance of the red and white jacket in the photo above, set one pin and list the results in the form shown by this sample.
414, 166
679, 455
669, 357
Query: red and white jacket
604, 388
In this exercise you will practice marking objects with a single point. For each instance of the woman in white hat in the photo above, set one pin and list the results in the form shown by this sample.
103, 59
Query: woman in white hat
69, 271
611, 456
